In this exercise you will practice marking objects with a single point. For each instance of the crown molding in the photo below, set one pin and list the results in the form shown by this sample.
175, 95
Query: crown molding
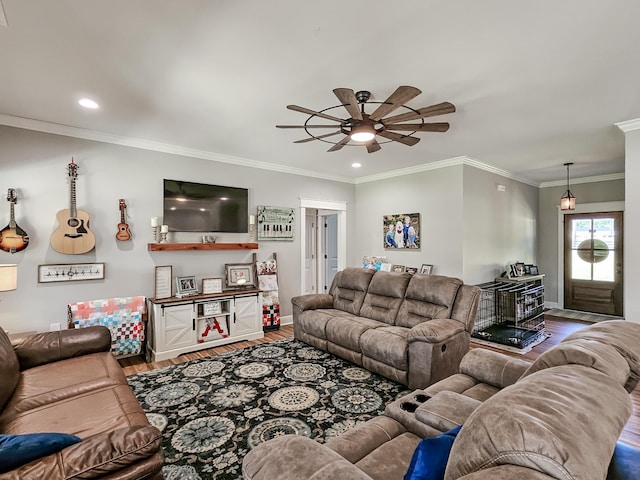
498, 171
97, 136
462, 160
86, 134
411, 170
575, 181
629, 125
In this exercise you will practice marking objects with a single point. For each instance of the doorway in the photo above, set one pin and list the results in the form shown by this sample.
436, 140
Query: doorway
593, 259
324, 243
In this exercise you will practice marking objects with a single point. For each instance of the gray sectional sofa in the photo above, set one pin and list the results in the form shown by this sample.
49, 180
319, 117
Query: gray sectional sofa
412, 329
558, 418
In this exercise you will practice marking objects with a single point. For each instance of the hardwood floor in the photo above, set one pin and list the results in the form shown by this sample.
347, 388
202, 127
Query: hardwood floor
559, 328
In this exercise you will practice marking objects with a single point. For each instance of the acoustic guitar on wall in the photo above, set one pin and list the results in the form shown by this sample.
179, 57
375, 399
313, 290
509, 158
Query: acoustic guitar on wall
73, 236
124, 233
13, 238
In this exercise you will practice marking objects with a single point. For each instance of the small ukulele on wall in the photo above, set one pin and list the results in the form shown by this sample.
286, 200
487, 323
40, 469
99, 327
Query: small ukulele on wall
73, 236
124, 233
13, 238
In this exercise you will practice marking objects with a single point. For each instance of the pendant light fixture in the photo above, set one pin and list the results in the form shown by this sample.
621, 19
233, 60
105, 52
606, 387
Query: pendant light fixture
568, 201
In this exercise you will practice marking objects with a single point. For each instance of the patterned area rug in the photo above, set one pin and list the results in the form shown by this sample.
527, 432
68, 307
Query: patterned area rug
212, 411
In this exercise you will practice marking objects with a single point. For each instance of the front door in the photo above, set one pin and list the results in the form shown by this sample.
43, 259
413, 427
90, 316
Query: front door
593, 262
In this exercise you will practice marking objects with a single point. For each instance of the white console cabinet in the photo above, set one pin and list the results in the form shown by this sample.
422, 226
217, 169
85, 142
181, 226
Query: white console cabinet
181, 325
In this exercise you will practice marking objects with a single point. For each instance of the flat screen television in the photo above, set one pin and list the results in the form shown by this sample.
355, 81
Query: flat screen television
198, 207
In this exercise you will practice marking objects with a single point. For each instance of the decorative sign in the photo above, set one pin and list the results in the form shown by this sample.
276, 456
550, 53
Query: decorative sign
163, 282
212, 308
276, 223
70, 272
211, 285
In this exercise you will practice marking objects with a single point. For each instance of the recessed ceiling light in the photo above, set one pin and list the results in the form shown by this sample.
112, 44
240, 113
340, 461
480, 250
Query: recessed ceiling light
356, 165
88, 103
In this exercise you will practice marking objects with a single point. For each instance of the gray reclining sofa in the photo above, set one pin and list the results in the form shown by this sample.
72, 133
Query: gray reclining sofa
558, 418
412, 329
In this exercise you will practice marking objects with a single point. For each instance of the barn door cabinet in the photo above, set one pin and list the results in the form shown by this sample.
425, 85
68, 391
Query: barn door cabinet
182, 325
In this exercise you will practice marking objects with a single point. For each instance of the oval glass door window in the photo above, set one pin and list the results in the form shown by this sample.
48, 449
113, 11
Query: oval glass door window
593, 251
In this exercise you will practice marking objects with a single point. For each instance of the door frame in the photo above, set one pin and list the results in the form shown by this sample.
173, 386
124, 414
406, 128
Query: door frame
340, 208
601, 207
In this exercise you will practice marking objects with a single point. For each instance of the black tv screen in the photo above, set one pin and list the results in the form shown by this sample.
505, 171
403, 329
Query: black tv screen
198, 207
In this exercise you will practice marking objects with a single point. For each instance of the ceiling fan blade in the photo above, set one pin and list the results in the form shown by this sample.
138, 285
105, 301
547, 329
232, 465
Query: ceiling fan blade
310, 139
348, 99
396, 137
296, 108
417, 127
401, 96
307, 126
340, 144
373, 146
432, 111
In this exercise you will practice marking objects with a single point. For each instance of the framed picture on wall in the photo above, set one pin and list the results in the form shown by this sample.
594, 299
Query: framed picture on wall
401, 231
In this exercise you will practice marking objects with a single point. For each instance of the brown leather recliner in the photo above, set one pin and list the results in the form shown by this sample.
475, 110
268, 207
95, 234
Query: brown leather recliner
69, 382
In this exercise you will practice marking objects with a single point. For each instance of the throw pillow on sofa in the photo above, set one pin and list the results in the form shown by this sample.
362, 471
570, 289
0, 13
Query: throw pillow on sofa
16, 450
430, 457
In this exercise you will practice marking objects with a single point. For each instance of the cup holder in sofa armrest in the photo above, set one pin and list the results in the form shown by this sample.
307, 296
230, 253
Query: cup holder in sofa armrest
446, 410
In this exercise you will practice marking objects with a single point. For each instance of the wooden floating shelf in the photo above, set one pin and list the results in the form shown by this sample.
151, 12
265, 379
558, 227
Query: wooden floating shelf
163, 247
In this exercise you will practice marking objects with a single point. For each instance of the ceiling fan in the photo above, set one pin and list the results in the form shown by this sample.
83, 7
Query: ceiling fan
362, 128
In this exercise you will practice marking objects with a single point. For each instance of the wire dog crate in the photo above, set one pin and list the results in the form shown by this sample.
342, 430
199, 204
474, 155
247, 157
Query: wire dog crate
510, 314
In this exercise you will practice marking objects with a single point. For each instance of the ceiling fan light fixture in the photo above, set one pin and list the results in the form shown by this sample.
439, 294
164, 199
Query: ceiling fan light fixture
362, 133
370, 130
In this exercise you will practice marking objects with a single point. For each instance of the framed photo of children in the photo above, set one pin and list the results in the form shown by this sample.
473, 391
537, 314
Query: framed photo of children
401, 230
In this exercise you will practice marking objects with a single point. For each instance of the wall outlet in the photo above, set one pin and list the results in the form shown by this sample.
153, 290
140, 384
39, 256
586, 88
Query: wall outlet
54, 327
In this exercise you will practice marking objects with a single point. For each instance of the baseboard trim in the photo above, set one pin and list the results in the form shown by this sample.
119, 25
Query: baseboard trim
286, 320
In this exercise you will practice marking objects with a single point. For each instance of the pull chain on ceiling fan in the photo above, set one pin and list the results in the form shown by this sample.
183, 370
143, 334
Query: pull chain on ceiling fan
363, 128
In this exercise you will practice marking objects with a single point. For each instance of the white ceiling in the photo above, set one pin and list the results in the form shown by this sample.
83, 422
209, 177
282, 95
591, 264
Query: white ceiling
536, 83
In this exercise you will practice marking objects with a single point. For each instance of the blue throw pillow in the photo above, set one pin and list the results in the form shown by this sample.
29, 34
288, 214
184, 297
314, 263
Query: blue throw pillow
16, 450
430, 458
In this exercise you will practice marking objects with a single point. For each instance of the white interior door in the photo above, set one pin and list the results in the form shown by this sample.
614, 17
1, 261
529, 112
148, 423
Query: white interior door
310, 254
329, 255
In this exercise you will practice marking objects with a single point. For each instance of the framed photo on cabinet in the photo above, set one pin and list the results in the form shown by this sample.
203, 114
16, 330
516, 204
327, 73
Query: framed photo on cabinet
163, 287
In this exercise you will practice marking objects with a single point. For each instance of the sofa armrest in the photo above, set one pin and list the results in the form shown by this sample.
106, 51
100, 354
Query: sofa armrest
95, 457
298, 458
512, 472
465, 308
446, 410
493, 368
435, 331
312, 301
49, 347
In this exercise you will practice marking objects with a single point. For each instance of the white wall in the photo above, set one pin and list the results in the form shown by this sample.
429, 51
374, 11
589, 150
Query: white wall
632, 226
36, 164
499, 226
468, 229
549, 201
436, 195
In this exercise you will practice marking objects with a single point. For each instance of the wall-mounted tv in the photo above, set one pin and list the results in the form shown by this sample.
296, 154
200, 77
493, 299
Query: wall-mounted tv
198, 207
